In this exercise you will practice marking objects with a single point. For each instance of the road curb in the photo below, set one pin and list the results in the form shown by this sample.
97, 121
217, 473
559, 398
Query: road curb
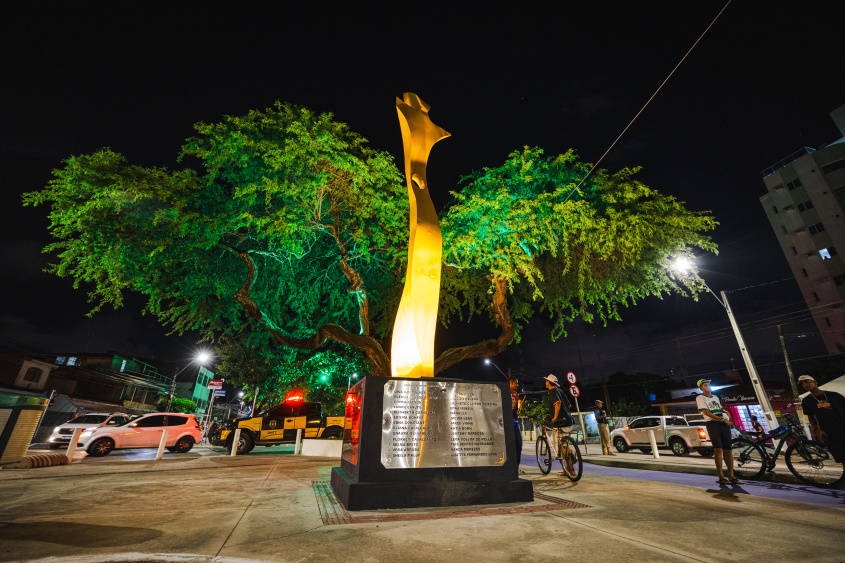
770, 477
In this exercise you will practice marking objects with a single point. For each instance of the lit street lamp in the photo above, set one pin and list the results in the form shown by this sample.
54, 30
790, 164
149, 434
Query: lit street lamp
489, 361
349, 381
682, 266
201, 359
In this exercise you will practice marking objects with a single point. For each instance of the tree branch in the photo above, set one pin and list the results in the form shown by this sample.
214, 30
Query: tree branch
485, 348
376, 357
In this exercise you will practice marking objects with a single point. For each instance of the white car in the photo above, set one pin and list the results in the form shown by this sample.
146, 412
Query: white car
61, 435
183, 431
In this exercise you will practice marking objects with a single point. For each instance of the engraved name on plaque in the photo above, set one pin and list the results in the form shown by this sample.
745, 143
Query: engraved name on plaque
441, 424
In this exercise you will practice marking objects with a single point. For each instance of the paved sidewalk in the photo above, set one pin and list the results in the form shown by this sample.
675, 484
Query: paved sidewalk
267, 506
693, 463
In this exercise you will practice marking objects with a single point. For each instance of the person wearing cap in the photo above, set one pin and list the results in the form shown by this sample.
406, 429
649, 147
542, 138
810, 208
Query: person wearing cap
601, 420
718, 425
826, 412
562, 421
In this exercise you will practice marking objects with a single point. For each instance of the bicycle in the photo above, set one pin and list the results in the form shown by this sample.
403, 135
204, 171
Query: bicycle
570, 461
809, 460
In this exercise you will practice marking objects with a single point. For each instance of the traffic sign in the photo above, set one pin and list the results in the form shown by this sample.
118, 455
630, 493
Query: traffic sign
219, 393
570, 377
215, 384
574, 391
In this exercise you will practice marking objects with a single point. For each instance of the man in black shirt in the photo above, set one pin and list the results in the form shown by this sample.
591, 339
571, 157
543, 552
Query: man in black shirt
604, 434
757, 431
826, 413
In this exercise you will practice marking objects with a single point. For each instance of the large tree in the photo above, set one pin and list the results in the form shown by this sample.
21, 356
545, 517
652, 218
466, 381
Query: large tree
291, 222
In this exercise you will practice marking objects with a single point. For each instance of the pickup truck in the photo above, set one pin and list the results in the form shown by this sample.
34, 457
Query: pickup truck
671, 432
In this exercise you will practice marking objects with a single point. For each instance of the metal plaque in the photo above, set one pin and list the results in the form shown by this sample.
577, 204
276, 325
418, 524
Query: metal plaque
442, 424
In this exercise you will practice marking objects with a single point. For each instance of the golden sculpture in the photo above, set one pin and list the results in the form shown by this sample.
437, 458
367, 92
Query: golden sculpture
412, 349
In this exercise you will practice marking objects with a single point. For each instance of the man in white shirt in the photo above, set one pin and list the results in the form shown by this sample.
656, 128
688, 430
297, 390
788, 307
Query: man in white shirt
718, 424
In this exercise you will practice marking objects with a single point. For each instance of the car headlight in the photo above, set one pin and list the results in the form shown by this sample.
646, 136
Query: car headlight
86, 434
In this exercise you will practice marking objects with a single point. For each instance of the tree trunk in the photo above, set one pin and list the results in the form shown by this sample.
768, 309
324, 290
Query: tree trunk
487, 347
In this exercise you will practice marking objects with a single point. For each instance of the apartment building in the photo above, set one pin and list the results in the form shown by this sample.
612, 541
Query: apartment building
805, 203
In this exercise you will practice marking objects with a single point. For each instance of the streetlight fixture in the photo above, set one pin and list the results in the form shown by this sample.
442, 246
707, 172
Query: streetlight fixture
201, 358
349, 381
489, 362
683, 265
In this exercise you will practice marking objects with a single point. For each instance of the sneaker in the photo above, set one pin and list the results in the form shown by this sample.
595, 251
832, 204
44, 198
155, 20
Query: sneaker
520, 472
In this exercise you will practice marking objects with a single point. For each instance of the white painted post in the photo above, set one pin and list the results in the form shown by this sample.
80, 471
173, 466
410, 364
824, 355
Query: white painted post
653, 443
71, 447
161, 444
235, 441
298, 441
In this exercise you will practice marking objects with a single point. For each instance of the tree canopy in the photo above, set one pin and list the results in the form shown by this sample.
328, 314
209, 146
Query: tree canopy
288, 227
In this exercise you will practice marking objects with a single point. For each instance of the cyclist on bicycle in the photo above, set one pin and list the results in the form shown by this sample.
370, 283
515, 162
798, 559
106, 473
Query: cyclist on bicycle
562, 420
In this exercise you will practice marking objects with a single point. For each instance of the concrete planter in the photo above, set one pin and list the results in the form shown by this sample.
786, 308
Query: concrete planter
19, 415
322, 448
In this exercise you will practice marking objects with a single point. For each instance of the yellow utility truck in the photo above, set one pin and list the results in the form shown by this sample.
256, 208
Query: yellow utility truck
279, 425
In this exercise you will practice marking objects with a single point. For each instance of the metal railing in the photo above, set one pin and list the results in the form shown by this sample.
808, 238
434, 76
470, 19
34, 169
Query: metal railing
784, 161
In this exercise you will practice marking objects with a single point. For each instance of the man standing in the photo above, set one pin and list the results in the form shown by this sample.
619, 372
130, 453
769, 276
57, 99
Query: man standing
757, 431
718, 425
826, 413
516, 404
601, 420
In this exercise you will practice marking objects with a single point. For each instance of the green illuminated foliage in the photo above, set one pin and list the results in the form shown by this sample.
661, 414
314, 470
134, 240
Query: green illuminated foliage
288, 234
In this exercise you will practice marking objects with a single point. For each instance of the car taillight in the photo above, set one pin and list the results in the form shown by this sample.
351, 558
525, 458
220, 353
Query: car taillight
701, 433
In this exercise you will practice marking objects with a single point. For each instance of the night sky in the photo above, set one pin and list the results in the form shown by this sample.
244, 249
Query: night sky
135, 78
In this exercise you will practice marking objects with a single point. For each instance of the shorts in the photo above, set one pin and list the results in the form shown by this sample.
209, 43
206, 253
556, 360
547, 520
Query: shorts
720, 434
836, 446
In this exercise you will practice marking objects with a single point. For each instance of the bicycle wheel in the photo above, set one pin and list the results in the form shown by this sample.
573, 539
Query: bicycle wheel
544, 455
571, 462
749, 459
812, 462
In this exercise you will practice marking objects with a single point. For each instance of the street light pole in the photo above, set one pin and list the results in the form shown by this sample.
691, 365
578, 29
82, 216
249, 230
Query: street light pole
489, 361
759, 390
682, 265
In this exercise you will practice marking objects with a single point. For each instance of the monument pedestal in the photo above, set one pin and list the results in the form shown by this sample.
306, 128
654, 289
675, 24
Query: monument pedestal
411, 443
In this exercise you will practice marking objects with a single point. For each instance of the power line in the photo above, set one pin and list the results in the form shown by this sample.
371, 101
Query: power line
648, 101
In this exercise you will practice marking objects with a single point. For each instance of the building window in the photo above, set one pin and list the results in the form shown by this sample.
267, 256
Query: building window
827, 253
782, 228
839, 280
72, 361
804, 271
817, 228
827, 320
816, 297
32, 375
805, 205
60, 360
796, 183
794, 251
775, 209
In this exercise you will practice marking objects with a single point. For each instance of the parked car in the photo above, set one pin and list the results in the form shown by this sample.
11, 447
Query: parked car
62, 433
183, 432
670, 432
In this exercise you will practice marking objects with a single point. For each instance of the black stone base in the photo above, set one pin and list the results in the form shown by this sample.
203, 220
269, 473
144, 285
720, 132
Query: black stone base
374, 496
363, 483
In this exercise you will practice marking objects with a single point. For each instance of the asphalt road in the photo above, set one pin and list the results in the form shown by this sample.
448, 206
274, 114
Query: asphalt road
834, 498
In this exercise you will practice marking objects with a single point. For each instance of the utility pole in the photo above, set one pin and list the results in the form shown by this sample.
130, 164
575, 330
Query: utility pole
606, 394
759, 390
172, 390
795, 400
683, 365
